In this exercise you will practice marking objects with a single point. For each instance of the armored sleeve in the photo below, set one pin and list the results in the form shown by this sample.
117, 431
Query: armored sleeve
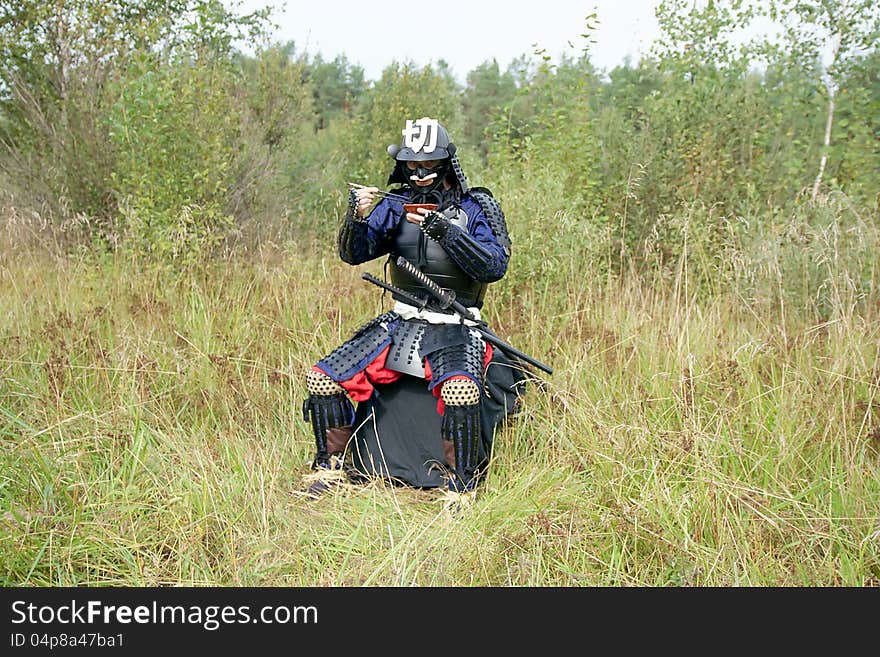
361, 240
476, 250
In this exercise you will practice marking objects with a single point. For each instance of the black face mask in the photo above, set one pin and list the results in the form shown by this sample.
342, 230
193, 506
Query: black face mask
422, 172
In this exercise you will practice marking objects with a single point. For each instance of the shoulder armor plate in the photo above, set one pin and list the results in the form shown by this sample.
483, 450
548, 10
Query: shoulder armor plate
494, 214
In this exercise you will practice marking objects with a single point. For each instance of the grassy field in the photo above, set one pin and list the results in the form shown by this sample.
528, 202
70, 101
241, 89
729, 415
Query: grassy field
151, 434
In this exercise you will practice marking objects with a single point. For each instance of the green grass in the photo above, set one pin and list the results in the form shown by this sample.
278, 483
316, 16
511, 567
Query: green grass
151, 434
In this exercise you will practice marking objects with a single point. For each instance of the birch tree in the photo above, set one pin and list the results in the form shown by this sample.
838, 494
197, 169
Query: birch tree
831, 33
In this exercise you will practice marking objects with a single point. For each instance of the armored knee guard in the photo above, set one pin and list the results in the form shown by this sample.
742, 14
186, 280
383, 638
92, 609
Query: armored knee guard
460, 430
331, 414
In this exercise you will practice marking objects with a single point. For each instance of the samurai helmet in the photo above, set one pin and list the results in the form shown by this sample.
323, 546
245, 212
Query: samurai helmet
426, 141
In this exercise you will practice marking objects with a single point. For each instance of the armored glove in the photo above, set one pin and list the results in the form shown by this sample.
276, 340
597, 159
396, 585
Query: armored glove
435, 224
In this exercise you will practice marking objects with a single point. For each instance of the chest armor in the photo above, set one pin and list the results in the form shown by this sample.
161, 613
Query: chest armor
429, 257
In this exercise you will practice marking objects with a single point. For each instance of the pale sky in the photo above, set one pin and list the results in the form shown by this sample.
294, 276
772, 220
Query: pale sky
464, 33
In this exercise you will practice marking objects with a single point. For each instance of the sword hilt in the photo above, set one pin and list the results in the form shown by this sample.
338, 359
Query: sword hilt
445, 297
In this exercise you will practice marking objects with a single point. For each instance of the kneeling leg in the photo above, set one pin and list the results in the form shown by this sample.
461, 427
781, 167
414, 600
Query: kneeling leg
331, 413
460, 430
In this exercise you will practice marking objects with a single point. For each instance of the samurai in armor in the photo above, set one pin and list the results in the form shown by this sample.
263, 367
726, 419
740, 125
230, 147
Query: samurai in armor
415, 394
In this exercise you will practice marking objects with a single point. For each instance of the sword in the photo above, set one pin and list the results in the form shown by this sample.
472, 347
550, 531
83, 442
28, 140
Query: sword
446, 298
412, 299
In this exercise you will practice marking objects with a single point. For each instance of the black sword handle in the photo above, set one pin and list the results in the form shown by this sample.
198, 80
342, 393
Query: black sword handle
447, 300
445, 297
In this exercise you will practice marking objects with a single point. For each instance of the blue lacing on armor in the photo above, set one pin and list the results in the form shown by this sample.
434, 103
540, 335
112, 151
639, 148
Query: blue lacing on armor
436, 381
361, 349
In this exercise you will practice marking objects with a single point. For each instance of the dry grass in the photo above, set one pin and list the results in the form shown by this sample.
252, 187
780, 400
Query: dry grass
151, 434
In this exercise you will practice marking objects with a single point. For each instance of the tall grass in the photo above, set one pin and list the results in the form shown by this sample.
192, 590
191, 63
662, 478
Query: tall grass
713, 422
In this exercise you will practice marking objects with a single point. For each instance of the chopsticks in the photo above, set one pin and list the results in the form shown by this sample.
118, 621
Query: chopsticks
380, 193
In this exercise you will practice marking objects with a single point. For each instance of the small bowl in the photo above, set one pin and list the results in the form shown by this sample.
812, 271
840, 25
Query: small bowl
413, 207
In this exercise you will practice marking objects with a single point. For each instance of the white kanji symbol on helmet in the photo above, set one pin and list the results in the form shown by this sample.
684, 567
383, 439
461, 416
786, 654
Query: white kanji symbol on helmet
421, 134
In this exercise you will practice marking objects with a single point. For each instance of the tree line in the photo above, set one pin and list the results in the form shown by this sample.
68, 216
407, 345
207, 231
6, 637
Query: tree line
141, 126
